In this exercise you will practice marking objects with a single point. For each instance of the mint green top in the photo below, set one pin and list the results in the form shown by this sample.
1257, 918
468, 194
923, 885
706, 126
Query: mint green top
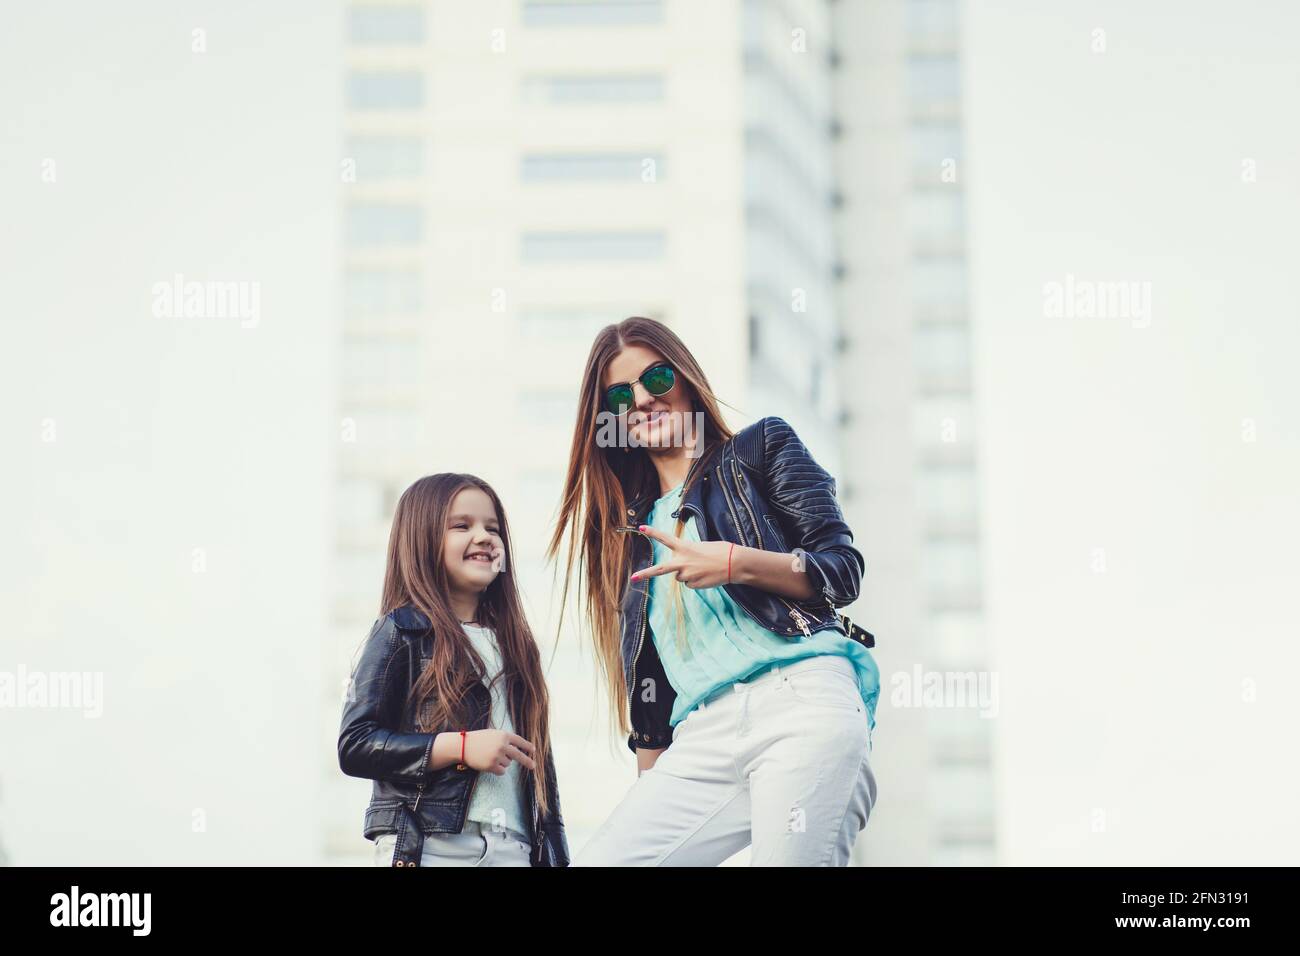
496, 801
723, 643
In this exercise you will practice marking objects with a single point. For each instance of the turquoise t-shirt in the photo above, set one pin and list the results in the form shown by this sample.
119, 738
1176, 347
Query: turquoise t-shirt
723, 644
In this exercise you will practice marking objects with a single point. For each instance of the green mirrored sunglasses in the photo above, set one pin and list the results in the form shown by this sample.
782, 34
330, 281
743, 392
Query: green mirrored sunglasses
658, 380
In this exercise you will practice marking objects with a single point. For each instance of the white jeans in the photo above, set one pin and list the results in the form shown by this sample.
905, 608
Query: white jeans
778, 763
475, 845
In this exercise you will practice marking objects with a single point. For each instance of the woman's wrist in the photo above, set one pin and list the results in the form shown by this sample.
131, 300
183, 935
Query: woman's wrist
770, 570
742, 565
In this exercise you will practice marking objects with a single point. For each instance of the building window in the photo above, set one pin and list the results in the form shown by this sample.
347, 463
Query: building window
387, 24
933, 83
580, 89
592, 167
386, 157
932, 144
932, 18
951, 567
946, 497
778, 106
383, 291
942, 353
566, 13
386, 429
380, 362
385, 90
939, 283
359, 502
567, 324
943, 421
956, 636
554, 405
936, 221
963, 794
385, 224
578, 246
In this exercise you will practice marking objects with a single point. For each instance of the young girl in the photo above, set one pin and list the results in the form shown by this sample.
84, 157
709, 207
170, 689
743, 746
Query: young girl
447, 707
713, 565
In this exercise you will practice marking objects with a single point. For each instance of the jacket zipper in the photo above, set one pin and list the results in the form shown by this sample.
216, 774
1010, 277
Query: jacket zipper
799, 619
645, 604
528, 780
794, 614
735, 519
537, 828
735, 471
636, 656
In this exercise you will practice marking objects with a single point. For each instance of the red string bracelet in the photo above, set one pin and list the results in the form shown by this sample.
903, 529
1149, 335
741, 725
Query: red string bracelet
462, 751
732, 548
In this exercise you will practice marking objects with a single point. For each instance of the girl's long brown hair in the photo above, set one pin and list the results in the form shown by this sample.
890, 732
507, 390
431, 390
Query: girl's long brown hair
601, 480
417, 576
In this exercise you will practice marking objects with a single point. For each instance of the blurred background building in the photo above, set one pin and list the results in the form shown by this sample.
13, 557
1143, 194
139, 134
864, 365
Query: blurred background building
765, 176
910, 465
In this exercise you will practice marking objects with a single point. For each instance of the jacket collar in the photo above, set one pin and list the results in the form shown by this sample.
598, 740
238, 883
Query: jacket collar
694, 500
410, 619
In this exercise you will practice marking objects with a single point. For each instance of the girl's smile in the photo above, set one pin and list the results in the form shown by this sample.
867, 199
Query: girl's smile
473, 546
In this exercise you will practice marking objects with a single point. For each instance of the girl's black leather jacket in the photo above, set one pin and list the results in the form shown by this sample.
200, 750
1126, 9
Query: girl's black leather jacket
759, 489
378, 740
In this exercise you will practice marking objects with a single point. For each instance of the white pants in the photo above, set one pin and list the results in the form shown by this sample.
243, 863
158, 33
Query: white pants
778, 763
475, 845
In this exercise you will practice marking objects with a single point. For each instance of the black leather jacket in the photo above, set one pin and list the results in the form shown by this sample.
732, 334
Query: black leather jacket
759, 489
378, 740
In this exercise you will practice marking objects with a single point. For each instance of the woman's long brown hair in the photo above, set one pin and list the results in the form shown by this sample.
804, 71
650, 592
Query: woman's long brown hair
601, 480
417, 576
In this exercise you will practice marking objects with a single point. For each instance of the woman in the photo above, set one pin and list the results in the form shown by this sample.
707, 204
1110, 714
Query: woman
750, 709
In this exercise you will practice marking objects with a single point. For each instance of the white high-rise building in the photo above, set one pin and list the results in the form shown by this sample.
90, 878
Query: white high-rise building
520, 173
526, 173
909, 428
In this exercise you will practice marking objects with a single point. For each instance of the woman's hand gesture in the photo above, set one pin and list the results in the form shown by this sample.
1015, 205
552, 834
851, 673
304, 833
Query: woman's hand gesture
697, 564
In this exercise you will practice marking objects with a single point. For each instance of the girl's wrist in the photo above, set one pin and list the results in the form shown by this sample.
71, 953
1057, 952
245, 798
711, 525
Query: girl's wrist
446, 749
440, 756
